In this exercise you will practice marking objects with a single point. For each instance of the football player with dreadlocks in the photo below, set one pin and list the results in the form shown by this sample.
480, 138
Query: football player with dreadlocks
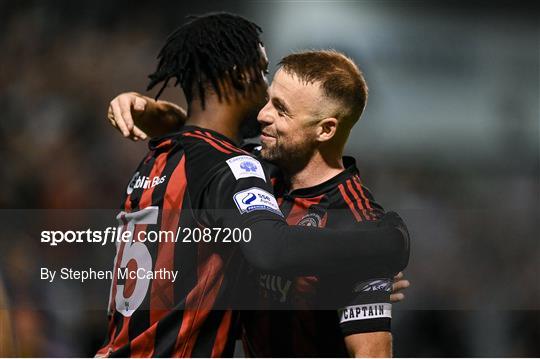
200, 178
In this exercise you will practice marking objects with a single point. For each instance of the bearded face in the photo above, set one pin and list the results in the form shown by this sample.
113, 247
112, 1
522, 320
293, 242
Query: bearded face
287, 146
289, 121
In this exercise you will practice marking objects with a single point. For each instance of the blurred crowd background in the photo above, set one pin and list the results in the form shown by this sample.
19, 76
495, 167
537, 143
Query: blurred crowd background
450, 140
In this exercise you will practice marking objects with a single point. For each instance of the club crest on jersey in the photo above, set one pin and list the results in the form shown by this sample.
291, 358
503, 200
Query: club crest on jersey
256, 199
377, 285
310, 220
246, 166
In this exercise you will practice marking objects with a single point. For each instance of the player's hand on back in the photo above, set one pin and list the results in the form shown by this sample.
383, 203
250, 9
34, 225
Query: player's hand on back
124, 112
399, 284
138, 117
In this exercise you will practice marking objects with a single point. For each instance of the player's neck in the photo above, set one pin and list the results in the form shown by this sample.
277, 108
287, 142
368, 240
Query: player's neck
221, 117
319, 169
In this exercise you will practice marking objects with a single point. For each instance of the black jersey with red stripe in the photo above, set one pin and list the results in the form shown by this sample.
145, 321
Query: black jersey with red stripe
294, 327
173, 188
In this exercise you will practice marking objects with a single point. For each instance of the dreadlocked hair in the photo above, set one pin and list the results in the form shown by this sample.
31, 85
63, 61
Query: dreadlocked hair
212, 49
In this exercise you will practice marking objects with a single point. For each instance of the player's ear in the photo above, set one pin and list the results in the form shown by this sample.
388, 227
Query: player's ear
326, 129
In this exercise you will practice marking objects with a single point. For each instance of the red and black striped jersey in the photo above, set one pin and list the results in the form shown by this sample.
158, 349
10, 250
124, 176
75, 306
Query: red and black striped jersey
173, 187
295, 327
198, 179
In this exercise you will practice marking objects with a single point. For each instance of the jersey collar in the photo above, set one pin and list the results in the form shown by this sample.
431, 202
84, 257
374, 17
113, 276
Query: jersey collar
349, 171
157, 142
207, 132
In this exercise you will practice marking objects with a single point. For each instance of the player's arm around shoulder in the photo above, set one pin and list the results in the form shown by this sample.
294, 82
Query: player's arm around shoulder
137, 116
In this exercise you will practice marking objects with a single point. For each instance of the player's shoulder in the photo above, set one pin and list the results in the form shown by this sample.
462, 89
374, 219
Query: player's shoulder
349, 192
209, 153
207, 142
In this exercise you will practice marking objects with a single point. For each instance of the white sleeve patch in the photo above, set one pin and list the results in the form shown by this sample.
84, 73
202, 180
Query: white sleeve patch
256, 199
246, 166
365, 311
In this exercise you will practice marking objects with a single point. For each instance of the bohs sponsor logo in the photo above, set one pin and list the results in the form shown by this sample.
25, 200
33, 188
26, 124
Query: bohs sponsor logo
132, 183
144, 182
275, 287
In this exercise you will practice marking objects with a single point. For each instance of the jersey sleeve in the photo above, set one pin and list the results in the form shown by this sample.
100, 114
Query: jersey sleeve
240, 195
369, 309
